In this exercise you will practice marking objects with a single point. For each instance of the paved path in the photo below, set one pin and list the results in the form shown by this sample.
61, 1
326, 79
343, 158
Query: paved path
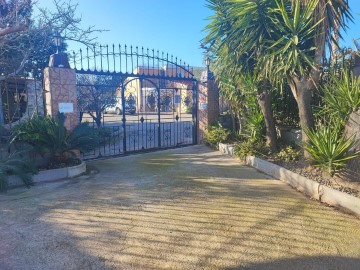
189, 208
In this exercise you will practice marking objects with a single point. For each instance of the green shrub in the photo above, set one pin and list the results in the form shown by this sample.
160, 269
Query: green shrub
216, 134
288, 154
49, 136
329, 148
14, 163
104, 134
254, 127
248, 148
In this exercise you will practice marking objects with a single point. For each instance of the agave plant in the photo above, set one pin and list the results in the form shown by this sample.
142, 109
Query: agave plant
49, 136
329, 148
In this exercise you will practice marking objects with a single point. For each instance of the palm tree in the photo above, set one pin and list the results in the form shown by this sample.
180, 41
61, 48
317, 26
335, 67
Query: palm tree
238, 51
284, 40
328, 18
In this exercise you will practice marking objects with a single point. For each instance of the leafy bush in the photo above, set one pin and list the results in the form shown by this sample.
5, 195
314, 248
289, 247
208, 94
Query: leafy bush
285, 108
288, 154
49, 136
14, 163
254, 127
329, 148
105, 133
216, 134
247, 148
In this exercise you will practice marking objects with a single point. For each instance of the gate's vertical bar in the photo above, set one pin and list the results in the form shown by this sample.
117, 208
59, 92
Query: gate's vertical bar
101, 58
88, 58
159, 116
123, 113
94, 48
195, 112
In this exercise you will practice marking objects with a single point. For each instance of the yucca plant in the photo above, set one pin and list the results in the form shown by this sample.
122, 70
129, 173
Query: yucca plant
329, 148
49, 136
341, 96
254, 126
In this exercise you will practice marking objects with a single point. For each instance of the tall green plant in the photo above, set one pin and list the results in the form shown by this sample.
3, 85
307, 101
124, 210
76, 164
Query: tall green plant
254, 127
329, 148
253, 119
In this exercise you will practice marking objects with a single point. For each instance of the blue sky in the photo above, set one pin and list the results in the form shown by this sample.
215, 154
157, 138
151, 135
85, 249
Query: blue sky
172, 26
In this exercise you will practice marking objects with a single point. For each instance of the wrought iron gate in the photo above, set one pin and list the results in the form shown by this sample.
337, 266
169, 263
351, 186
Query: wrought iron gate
140, 100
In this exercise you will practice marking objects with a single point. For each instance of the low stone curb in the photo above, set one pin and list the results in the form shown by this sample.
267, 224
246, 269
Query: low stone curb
51, 175
309, 187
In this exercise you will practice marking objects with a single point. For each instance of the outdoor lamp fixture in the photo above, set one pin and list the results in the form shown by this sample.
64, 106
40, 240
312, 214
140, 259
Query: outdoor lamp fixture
210, 75
58, 59
57, 41
207, 63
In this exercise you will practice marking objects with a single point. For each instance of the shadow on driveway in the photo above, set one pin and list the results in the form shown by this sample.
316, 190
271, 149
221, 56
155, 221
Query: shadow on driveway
188, 208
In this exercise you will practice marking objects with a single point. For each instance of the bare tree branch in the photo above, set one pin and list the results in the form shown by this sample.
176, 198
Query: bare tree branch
13, 29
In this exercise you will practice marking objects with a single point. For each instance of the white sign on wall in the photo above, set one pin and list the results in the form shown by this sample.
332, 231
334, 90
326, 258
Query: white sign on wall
203, 106
66, 107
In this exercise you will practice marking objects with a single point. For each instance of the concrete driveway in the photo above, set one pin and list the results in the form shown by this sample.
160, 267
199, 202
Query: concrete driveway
188, 208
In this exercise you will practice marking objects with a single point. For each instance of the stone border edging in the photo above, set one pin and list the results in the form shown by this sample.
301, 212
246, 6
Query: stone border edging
309, 187
51, 175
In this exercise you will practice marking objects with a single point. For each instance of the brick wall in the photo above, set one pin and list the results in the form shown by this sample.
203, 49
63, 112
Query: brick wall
208, 106
60, 87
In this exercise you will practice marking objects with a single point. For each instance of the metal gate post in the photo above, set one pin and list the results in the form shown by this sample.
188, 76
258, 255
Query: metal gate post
123, 114
195, 112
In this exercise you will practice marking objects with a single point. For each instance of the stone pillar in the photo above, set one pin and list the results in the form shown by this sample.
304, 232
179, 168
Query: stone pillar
60, 94
208, 105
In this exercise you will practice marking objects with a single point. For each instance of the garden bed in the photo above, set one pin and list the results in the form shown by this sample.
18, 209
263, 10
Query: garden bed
309, 181
51, 175
339, 183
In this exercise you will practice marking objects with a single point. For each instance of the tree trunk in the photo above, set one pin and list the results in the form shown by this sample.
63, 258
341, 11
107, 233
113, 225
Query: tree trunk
98, 119
240, 123
2, 121
302, 90
335, 44
233, 120
264, 100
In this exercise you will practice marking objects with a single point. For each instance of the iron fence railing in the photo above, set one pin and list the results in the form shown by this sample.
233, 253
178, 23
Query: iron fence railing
130, 60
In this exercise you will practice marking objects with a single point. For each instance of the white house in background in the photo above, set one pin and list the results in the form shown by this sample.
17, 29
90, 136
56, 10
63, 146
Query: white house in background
175, 95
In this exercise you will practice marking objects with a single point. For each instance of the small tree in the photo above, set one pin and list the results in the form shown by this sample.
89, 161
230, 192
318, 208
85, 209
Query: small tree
95, 93
26, 41
238, 59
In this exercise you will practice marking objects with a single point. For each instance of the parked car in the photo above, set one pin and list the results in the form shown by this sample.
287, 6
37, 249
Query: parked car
117, 108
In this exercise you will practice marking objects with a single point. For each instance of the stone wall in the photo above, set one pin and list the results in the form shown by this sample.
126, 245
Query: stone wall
353, 129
